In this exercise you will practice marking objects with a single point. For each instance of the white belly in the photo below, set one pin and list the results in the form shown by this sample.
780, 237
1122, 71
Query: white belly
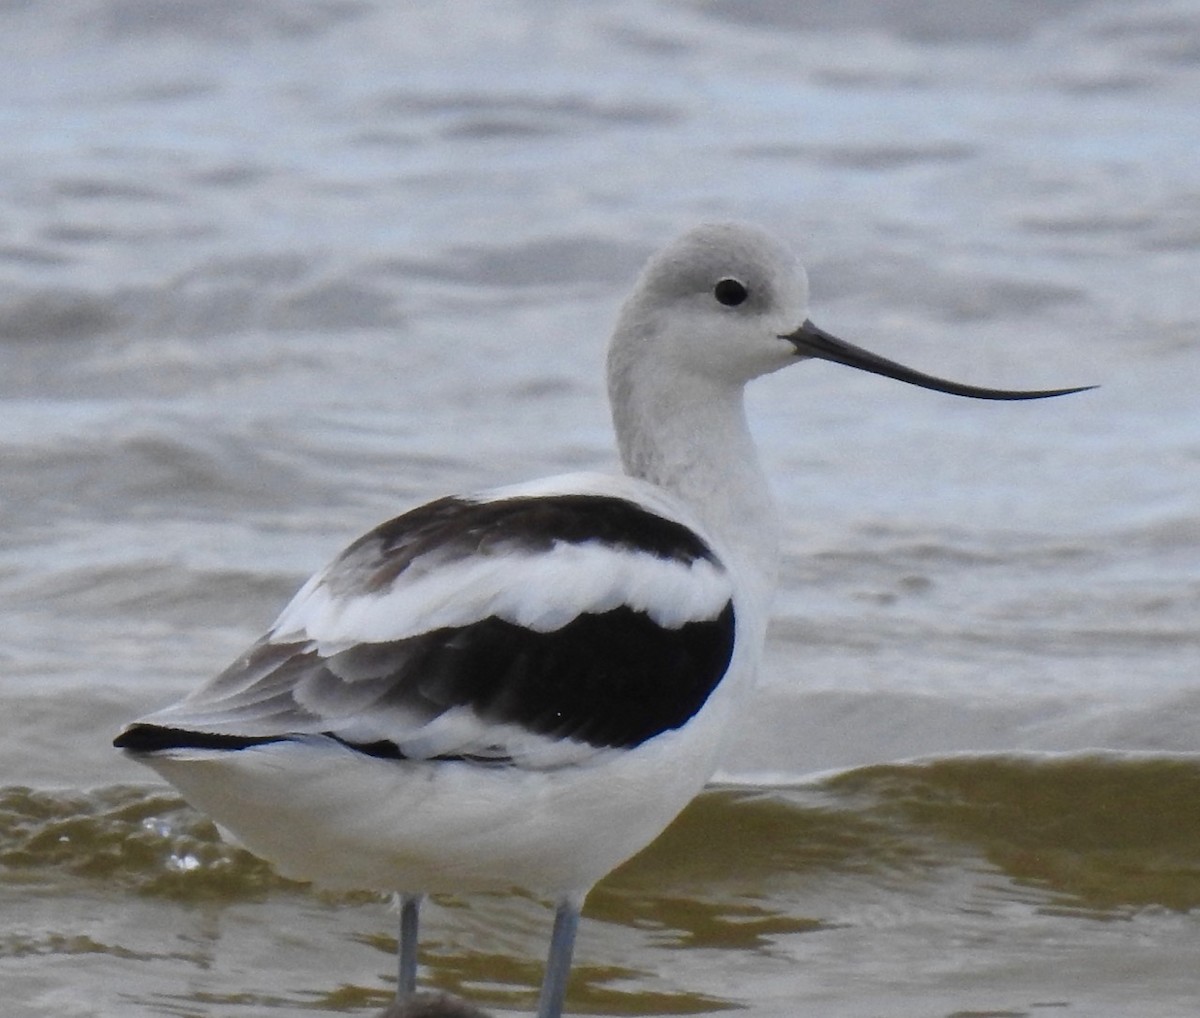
319, 811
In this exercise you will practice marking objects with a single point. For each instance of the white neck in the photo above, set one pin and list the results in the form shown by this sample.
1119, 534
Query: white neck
688, 435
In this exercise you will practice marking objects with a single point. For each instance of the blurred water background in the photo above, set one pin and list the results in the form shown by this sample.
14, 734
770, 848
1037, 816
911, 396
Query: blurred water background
271, 272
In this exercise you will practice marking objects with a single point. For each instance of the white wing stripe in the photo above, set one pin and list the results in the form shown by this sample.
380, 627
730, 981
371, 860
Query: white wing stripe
542, 591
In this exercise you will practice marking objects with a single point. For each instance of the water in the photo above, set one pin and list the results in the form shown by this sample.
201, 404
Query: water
270, 273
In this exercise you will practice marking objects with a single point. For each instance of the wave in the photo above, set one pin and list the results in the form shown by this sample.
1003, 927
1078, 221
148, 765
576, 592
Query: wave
1097, 834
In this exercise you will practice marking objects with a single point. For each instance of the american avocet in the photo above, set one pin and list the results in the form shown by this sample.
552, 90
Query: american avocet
521, 688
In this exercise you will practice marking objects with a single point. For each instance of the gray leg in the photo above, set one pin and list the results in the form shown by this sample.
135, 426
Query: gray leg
410, 905
558, 964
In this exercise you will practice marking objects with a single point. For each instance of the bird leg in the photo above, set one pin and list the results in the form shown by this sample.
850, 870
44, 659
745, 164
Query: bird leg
558, 963
406, 984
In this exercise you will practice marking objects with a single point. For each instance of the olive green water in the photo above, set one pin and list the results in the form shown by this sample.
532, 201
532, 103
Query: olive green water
959, 886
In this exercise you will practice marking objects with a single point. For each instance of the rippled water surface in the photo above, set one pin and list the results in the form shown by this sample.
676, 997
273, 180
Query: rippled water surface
271, 272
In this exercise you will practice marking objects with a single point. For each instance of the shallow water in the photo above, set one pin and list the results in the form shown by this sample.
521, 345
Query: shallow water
270, 273
998, 885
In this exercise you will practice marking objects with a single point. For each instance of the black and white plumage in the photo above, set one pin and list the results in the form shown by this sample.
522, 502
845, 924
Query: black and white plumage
520, 689
477, 663
528, 630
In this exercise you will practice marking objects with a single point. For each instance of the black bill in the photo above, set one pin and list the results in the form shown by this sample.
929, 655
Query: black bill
813, 341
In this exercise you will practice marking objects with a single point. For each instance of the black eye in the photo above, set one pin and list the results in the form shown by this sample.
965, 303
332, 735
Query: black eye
730, 292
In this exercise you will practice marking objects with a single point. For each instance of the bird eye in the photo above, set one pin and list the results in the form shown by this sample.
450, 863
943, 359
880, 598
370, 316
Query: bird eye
730, 292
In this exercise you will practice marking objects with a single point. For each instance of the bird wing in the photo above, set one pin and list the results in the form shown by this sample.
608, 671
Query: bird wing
528, 627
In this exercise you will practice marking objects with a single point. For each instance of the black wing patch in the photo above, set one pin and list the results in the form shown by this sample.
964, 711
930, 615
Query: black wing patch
611, 680
143, 738
451, 529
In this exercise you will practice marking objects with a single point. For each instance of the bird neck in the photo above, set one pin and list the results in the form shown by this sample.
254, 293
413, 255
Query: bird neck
689, 436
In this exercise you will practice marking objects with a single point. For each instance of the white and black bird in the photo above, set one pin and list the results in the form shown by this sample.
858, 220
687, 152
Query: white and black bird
521, 688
